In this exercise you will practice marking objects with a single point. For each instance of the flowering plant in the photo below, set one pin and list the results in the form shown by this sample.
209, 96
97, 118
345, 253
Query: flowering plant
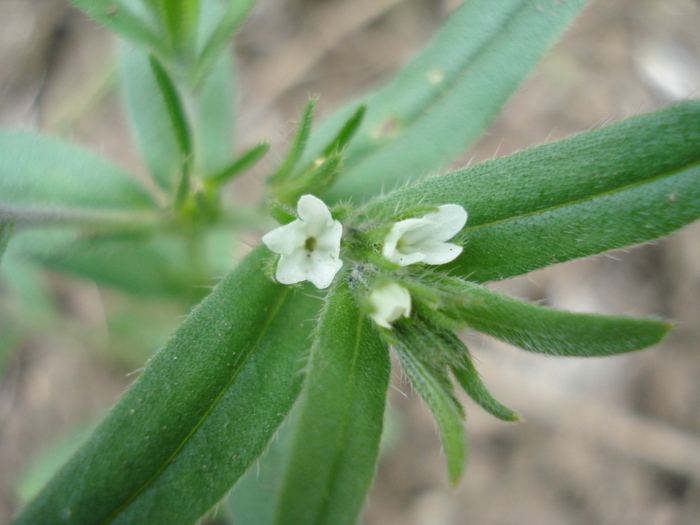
402, 269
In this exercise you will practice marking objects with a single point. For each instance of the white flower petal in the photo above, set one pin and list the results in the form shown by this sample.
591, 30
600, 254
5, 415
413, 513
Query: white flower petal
390, 302
449, 220
329, 239
441, 253
314, 214
293, 268
323, 269
422, 240
285, 239
309, 246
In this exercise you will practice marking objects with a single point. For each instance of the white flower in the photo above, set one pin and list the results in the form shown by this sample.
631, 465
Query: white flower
309, 246
389, 302
423, 240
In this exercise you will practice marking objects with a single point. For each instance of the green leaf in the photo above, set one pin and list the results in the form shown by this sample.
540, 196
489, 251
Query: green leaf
129, 19
218, 22
214, 117
5, 234
468, 378
434, 386
447, 95
180, 19
142, 265
624, 184
41, 172
199, 415
544, 330
338, 424
296, 149
173, 105
164, 147
346, 133
238, 166
150, 119
252, 499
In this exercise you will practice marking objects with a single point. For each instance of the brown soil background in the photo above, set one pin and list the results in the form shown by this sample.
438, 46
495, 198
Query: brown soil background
604, 441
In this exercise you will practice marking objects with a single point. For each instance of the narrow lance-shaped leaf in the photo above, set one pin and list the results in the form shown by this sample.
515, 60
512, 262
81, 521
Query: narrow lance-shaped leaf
252, 500
180, 19
627, 183
41, 172
545, 330
5, 233
214, 116
173, 104
296, 148
131, 20
217, 25
238, 166
150, 119
338, 424
468, 378
434, 386
199, 415
447, 95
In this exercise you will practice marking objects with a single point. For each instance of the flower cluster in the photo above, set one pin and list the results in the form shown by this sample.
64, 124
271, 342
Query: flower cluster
309, 249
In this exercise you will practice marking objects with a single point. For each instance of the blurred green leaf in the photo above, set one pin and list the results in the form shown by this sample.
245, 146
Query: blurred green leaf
446, 96
214, 117
159, 141
549, 331
131, 20
173, 105
180, 19
218, 22
41, 172
238, 166
624, 184
338, 424
142, 265
150, 119
296, 148
5, 234
200, 414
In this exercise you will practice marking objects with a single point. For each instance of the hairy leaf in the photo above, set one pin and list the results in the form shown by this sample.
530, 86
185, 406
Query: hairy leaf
338, 424
434, 386
627, 183
39, 172
545, 330
131, 20
199, 415
447, 95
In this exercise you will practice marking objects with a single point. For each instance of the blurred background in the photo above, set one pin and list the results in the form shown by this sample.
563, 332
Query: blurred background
603, 441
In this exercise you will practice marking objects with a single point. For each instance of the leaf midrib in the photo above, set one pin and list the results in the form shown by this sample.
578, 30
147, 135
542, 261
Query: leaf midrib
350, 389
617, 189
242, 360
